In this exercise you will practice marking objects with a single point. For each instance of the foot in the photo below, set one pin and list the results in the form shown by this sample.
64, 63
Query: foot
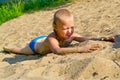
7, 50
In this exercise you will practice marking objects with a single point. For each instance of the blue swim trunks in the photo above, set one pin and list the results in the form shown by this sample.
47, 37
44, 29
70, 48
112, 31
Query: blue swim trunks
32, 43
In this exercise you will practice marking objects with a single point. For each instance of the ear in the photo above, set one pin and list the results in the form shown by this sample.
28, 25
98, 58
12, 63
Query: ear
54, 23
55, 31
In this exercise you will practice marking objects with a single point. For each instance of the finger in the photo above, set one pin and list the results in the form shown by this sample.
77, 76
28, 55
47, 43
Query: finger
93, 49
96, 46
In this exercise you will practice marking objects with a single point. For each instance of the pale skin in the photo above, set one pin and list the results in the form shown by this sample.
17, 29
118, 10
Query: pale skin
59, 42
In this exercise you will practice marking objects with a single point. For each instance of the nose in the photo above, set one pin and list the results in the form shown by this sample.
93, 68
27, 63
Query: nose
69, 31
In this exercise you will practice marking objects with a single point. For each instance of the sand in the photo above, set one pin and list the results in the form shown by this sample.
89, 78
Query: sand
93, 18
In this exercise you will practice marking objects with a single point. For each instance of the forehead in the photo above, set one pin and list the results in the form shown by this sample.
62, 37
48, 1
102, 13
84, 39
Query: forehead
65, 23
65, 20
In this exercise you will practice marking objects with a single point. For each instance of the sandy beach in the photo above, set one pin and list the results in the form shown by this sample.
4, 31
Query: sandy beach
93, 18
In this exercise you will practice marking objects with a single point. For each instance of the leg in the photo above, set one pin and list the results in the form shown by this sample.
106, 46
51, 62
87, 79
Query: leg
17, 50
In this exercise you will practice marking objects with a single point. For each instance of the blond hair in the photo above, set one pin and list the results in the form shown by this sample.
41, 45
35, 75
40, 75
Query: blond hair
61, 15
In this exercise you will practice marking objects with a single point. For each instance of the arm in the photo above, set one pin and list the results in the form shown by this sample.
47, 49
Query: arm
82, 49
54, 46
79, 38
109, 39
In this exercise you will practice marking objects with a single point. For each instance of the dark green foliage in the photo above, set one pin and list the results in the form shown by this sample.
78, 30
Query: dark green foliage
15, 8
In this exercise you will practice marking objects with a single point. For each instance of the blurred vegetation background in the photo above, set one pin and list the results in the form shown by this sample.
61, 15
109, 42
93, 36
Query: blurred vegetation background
10, 9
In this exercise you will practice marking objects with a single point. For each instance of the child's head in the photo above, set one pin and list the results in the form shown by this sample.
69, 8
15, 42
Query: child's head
63, 23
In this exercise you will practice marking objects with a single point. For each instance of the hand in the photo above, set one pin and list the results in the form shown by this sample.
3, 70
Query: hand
90, 48
110, 39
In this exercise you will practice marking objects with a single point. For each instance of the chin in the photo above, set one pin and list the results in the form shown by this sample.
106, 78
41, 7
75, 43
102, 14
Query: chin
67, 37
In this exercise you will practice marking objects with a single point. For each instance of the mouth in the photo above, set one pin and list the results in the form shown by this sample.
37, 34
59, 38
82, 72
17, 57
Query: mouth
68, 36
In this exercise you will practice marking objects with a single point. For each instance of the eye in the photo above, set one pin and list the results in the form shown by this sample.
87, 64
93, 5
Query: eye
64, 28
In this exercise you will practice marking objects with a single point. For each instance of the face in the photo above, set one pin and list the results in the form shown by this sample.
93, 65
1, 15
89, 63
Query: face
65, 28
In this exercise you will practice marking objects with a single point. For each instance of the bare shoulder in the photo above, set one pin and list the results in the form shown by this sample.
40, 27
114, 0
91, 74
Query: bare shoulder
52, 41
52, 35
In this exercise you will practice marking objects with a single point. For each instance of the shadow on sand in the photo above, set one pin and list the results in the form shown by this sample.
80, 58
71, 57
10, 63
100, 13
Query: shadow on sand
20, 58
117, 41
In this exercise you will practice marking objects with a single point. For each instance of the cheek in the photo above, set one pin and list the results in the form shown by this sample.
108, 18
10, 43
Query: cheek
64, 32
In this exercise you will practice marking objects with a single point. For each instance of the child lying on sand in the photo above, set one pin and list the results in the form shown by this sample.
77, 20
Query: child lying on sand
59, 40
